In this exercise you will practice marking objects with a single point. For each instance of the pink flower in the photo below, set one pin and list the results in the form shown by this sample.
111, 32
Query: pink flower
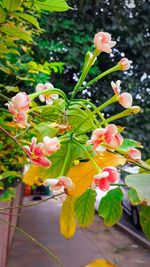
60, 183
116, 87
51, 144
107, 136
124, 64
109, 175
125, 99
37, 154
134, 154
103, 43
48, 98
21, 118
19, 102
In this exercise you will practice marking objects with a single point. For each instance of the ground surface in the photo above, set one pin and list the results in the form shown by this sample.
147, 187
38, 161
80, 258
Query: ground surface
42, 221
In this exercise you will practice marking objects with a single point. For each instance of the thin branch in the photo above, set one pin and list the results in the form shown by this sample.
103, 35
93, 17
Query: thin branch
46, 250
33, 204
13, 138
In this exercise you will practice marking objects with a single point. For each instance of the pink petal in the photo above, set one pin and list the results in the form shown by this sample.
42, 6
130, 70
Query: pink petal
116, 141
40, 87
134, 154
42, 162
103, 184
113, 174
126, 100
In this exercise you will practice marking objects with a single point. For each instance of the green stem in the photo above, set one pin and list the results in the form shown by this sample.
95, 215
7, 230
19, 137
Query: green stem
98, 169
34, 240
113, 69
125, 113
63, 170
42, 107
118, 184
84, 73
47, 91
98, 112
5, 97
109, 102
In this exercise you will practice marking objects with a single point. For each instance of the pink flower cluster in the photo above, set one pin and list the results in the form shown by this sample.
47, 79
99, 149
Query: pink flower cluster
107, 137
109, 175
125, 99
38, 152
48, 98
18, 106
103, 43
62, 182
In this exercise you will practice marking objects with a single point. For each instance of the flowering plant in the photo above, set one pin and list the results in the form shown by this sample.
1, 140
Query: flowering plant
78, 148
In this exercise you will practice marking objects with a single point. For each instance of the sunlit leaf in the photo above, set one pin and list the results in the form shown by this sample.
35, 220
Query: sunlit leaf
29, 18
101, 263
110, 207
32, 176
2, 15
67, 218
82, 175
17, 32
12, 5
52, 5
141, 183
84, 208
128, 143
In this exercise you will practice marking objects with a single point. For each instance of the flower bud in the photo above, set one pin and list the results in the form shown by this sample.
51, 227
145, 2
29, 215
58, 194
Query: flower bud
135, 109
126, 100
124, 64
134, 154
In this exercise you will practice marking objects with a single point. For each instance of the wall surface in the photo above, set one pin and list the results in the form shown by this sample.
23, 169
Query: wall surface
6, 232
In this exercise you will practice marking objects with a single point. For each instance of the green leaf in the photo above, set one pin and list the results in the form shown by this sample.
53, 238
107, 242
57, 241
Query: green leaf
110, 207
2, 15
52, 5
58, 158
8, 174
18, 32
84, 208
45, 129
141, 183
51, 113
12, 5
145, 220
8, 195
80, 119
133, 197
128, 143
29, 18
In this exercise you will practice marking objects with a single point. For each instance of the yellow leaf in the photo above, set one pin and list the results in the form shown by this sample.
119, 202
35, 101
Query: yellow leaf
82, 175
67, 218
32, 176
101, 263
109, 159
